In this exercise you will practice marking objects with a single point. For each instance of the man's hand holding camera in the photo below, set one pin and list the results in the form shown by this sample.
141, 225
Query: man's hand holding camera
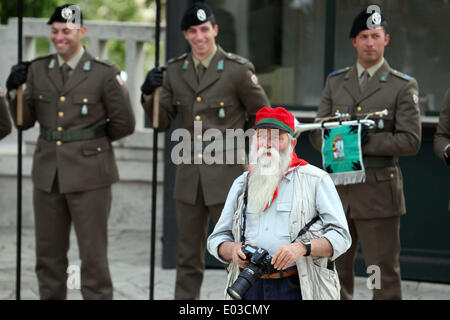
238, 256
287, 254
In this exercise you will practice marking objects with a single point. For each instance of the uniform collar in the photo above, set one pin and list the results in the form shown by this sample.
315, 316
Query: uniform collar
372, 70
72, 62
206, 62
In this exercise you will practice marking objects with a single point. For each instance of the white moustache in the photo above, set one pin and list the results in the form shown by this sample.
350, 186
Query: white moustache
267, 171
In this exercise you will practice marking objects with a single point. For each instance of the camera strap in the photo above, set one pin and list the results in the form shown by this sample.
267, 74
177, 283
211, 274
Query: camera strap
244, 210
244, 218
306, 228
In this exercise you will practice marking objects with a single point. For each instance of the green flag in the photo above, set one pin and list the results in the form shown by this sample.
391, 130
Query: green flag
342, 154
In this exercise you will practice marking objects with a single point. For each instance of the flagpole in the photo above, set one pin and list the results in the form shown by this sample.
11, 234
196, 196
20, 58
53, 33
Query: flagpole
19, 158
155, 153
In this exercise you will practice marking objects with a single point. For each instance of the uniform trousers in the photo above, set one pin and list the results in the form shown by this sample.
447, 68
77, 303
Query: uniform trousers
380, 244
54, 214
193, 222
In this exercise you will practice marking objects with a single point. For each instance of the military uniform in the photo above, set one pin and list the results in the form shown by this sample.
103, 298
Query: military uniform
374, 208
442, 136
441, 141
227, 97
74, 166
5, 122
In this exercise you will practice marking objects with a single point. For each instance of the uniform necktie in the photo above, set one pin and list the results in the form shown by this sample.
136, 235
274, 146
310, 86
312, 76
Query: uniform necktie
363, 82
65, 72
200, 71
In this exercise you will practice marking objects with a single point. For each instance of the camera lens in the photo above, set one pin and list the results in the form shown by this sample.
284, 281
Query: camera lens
245, 280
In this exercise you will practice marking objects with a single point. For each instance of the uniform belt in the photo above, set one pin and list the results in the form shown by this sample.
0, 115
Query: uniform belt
72, 135
380, 162
281, 274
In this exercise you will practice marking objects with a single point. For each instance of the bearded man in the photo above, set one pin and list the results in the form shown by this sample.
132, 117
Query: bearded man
285, 195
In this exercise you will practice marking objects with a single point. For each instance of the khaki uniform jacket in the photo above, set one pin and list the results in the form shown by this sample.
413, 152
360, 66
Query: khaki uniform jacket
81, 165
442, 136
398, 134
227, 97
5, 122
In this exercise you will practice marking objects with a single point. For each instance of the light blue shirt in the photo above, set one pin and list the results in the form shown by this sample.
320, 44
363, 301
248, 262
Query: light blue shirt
270, 229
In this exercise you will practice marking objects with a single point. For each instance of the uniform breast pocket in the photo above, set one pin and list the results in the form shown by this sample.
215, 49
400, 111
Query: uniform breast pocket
183, 104
384, 123
282, 221
42, 103
341, 108
87, 104
222, 108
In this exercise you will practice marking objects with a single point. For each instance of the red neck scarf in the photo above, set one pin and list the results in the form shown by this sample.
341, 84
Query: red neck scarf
295, 162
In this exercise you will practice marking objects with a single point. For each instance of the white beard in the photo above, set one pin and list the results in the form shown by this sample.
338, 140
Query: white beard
267, 171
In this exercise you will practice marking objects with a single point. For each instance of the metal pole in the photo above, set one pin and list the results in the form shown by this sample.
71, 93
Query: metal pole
155, 154
19, 159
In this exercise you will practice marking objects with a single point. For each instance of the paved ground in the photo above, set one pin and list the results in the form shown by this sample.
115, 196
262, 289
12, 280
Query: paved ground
129, 262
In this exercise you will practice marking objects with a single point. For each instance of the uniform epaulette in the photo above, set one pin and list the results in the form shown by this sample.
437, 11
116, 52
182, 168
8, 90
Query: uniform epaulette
105, 62
235, 57
184, 55
41, 58
401, 75
336, 72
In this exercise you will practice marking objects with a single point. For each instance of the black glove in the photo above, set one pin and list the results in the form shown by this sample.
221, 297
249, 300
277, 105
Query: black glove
153, 80
18, 75
364, 135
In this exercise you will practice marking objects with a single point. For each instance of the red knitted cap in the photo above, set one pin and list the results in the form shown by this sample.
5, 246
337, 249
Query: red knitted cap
278, 118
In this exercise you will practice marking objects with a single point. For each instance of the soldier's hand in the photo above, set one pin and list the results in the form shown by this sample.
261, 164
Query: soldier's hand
153, 80
18, 75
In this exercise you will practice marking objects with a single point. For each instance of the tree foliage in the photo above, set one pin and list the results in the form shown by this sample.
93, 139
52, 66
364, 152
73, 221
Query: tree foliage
31, 8
106, 10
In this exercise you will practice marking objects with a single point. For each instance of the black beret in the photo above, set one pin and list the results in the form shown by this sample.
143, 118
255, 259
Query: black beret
366, 21
199, 13
66, 13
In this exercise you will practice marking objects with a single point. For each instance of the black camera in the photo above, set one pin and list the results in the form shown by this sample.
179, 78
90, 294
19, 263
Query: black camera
259, 264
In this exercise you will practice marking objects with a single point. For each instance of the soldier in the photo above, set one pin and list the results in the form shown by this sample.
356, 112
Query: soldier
81, 105
441, 141
373, 208
221, 90
5, 122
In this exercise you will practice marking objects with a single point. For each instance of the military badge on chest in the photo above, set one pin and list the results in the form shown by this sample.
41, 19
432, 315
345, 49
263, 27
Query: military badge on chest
222, 113
84, 110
